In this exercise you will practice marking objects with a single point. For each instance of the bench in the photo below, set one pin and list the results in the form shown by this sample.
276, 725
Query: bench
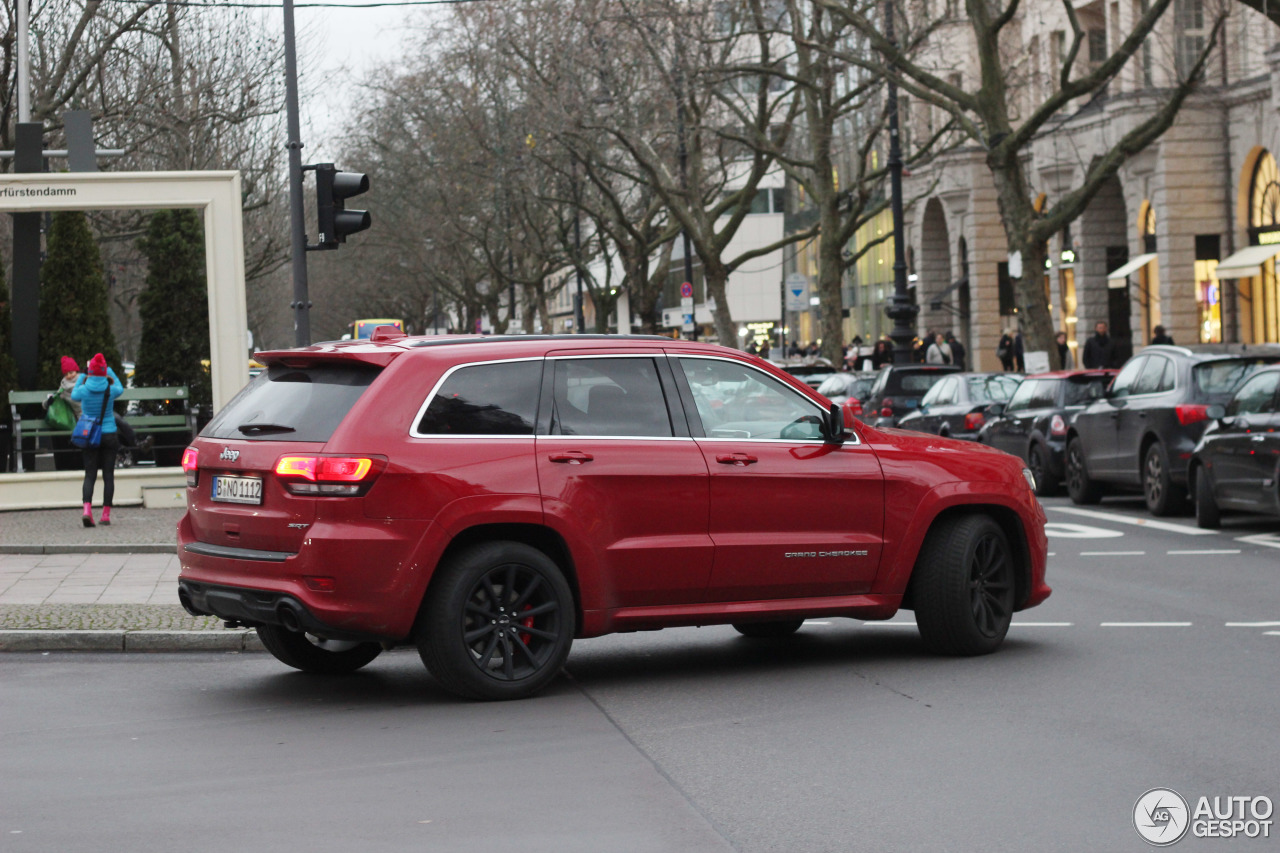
35, 427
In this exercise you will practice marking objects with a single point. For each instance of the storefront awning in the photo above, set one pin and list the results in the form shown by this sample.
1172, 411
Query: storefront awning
1128, 269
1247, 262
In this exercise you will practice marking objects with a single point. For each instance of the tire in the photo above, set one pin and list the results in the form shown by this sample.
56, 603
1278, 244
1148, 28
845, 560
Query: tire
513, 656
1081, 489
1162, 496
310, 653
768, 630
963, 586
1046, 484
1208, 515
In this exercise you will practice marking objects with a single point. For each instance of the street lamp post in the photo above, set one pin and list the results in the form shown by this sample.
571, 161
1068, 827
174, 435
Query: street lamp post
900, 309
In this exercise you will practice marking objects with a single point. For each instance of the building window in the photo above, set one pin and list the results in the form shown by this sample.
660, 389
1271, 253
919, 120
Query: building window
1188, 23
1208, 291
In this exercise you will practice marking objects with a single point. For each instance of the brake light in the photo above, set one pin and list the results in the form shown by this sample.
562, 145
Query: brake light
1189, 414
333, 476
1058, 425
854, 405
190, 459
886, 410
973, 420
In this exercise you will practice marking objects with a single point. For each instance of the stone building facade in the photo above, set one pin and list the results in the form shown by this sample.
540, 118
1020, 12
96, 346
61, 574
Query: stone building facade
1184, 236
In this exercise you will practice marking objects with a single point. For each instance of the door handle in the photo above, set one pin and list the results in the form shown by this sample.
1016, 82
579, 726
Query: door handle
739, 459
572, 457
1257, 438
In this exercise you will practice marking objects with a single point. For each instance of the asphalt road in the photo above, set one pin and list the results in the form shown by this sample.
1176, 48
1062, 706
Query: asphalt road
1151, 666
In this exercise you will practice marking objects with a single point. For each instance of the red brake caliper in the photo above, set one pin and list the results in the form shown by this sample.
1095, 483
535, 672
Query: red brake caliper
528, 623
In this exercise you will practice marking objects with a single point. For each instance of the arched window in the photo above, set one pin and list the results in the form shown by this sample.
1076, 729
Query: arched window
1260, 308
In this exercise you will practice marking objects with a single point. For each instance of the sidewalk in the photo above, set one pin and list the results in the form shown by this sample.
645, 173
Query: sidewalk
64, 586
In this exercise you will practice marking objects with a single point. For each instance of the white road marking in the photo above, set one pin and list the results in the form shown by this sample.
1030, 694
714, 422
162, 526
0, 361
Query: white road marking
1042, 624
814, 622
1209, 551
1146, 624
1272, 633
888, 624
1112, 553
1253, 624
1270, 540
1051, 554
1138, 522
1066, 530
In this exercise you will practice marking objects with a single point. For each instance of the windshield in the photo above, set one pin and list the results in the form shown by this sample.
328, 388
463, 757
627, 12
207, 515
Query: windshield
992, 389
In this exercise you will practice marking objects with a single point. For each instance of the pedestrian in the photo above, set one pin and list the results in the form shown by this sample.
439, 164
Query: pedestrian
1064, 351
752, 349
1004, 350
882, 354
1099, 350
764, 349
1019, 353
95, 393
59, 416
957, 350
939, 351
1161, 337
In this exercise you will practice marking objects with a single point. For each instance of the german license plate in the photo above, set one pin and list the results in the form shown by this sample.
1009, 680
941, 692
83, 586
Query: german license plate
237, 490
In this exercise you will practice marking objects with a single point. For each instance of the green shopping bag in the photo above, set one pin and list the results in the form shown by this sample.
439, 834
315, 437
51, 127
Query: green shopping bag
60, 414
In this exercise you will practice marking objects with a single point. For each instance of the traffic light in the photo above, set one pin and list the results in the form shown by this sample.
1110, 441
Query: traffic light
333, 188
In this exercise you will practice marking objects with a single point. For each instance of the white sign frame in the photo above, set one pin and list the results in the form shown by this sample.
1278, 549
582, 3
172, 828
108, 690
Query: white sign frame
215, 194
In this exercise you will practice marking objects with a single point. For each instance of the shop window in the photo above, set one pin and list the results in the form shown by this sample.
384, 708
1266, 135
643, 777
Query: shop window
1208, 289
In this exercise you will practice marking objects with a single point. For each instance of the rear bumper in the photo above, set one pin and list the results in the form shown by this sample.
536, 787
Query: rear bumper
362, 578
254, 607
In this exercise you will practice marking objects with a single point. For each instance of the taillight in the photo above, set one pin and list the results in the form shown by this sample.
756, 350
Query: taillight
1190, 414
1058, 425
854, 405
886, 408
973, 420
329, 476
190, 459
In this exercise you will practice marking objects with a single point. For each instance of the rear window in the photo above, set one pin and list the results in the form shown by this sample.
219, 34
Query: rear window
293, 403
992, 389
1224, 377
918, 381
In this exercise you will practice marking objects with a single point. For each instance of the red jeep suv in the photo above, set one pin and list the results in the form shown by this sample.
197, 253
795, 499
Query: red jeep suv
489, 499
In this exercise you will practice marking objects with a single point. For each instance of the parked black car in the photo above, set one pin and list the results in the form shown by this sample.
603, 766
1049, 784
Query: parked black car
811, 371
1033, 424
955, 406
1236, 465
899, 389
1140, 434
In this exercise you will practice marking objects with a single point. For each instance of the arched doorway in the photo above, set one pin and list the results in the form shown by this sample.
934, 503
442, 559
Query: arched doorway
934, 269
1259, 312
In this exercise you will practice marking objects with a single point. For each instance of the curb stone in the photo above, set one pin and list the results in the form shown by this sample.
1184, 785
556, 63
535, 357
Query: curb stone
238, 640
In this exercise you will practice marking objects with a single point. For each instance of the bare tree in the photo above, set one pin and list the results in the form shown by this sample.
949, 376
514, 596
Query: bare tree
1001, 117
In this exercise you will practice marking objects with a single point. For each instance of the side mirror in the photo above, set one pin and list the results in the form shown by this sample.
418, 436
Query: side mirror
1216, 412
836, 430
924, 410
995, 410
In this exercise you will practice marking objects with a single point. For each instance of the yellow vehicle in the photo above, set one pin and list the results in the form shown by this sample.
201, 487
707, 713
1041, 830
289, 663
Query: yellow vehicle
362, 330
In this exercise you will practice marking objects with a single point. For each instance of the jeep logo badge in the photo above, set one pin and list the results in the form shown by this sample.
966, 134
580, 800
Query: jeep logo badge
229, 455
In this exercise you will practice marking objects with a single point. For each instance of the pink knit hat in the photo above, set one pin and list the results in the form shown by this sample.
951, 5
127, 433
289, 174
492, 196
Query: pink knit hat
69, 365
98, 365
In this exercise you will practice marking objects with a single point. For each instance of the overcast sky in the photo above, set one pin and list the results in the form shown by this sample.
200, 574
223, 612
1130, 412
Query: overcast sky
339, 46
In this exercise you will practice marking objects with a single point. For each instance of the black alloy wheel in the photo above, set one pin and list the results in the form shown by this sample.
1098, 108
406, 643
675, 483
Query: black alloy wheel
310, 653
963, 586
499, 622
1162, 496
1046, 484
1081, 489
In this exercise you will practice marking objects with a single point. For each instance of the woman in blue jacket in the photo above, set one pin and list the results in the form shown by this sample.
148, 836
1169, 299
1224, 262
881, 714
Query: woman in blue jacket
96, 391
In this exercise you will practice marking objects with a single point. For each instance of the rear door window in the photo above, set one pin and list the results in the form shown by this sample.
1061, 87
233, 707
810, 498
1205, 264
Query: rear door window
1022, 398
499, 398
1046, 396
293, 403
1256, 396
618, 396
1149, 381
1223, 377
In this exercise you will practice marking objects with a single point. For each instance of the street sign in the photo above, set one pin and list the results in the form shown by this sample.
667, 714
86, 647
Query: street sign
688, 323
686, 291
797, 287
